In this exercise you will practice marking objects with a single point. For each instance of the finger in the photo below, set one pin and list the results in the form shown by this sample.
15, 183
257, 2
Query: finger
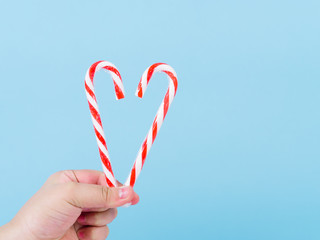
98, 218
93, 233
119, 184
77, 226
135, 199
80, 176
90, 196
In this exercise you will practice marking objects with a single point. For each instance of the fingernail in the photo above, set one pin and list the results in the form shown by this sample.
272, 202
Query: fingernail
81, 219
81, 234
126, 205
123, 192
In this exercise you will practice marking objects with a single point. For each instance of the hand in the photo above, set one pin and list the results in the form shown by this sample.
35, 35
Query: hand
71, 205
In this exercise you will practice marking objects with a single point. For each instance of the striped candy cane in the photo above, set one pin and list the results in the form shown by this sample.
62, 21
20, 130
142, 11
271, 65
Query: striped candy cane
161, 114
95, 115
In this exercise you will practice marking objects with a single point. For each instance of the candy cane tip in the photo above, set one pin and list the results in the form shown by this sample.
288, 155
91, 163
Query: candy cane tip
119, 95
139, 93
119, 98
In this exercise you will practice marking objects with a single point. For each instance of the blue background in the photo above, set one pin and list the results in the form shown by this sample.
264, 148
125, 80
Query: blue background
238, 154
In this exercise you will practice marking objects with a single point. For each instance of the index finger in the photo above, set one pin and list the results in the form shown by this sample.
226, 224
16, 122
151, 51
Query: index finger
79, 176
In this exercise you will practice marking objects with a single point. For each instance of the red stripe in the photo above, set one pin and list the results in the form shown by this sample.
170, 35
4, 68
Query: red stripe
105, 161
133, 176
144, 152
151, 70
101, 139
118, 90
110, 184
92, 70
95, 114
90, 91
166, 104
174, 80
154, 129
113, 69
140, 89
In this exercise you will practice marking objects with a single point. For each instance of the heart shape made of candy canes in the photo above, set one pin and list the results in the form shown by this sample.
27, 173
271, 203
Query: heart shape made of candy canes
119, 89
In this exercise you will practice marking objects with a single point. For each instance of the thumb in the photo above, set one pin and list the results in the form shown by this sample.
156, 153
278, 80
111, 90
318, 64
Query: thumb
96, 196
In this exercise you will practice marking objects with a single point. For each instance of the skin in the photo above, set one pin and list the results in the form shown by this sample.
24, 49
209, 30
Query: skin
71, 205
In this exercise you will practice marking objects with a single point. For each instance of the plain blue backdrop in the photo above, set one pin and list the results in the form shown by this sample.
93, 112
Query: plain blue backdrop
238, 154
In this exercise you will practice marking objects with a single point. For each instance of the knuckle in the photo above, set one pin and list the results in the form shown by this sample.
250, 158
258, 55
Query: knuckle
107, 231
93, 219
106, 195
69, 188
114, 213
56, 175
61, 176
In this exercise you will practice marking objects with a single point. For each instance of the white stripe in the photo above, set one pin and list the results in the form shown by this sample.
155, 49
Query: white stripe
92, 101
103, 64
165, 67
109, 175
100, 66
90, 85
114, 76
138, 170
88, 81
127, 183
106, 63
103, 148
160, 116
138, 163
171, 91
143, 81
97, 126
149, 139
117, 81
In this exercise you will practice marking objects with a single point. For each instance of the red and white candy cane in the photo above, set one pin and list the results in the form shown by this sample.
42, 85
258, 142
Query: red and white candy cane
95, 115
161, 114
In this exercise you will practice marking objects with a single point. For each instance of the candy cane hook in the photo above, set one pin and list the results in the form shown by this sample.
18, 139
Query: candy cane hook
161, 114
95, 115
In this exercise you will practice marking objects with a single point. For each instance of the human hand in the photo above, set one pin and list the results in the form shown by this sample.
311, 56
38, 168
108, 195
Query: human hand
71, 205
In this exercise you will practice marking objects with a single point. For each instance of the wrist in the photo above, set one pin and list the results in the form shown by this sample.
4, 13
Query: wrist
12, 231
8, 232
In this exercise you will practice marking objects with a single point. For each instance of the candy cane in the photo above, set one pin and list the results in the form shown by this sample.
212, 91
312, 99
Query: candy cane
161, 114
95, 115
